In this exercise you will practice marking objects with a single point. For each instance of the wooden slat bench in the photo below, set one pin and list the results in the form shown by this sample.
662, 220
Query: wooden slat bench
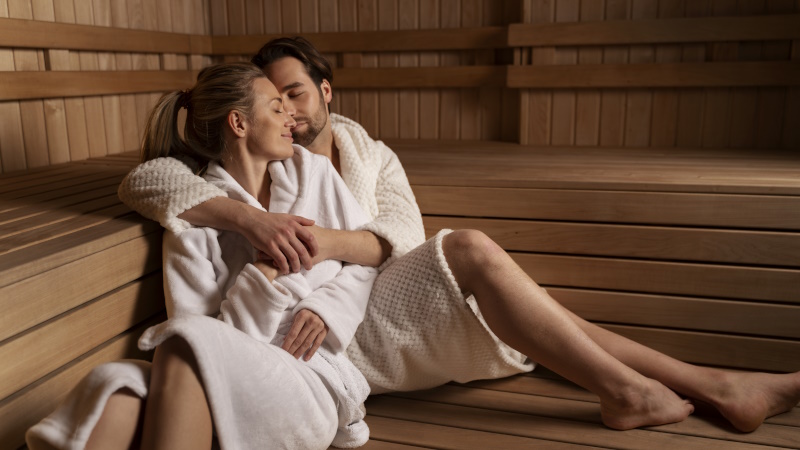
693, 252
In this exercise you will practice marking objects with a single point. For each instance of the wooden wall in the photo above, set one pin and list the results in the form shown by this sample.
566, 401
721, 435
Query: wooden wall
394, 113
748, 117
41, 132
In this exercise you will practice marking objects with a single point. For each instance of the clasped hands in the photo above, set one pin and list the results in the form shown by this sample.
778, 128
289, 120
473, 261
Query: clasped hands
283, 234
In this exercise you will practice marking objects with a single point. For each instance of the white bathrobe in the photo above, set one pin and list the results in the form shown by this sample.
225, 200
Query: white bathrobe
260, 396
419, 331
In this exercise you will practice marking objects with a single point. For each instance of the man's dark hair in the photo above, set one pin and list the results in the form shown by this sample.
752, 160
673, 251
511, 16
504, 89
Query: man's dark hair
317, 67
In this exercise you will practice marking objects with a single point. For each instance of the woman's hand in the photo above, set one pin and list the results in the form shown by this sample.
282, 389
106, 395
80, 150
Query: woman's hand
284, 238
266, 267
306, 335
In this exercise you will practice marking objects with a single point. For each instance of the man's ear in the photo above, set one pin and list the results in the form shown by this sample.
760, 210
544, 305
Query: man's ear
237, 123
327, 92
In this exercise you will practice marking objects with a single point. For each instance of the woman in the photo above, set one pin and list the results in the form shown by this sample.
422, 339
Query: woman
231, 372
422, 327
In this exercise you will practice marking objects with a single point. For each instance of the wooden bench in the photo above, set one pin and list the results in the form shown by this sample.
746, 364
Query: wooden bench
80, 279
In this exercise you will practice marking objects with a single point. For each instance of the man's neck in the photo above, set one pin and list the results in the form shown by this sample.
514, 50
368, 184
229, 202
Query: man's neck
325, 145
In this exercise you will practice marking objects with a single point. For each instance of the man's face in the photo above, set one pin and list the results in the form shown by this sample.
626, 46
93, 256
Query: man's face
306, 102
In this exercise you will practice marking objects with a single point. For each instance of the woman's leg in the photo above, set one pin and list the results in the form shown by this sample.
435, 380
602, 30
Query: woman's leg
176, 413
745, 399
120, 425
526, 318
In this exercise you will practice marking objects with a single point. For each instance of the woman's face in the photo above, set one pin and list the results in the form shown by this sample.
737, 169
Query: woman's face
270, 132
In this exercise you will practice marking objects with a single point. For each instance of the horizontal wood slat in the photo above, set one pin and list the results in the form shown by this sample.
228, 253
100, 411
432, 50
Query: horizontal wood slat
533, 426
374, 41
656, 31
657, 208
23, 410
718, 350
48, 294
701, 280
699, 314
630, 241
686, 75
30, 85
33, 355
21, 33
448, 437
547, 405
421, 77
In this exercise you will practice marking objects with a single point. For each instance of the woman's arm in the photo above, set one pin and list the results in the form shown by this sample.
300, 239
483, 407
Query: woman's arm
168, 191
356, 247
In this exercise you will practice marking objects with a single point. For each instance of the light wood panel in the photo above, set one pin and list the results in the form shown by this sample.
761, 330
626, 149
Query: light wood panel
17, 85
59, 341
652, 31
20, 33
53, 292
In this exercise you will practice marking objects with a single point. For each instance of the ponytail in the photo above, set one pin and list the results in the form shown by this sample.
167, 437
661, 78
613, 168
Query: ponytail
161, 136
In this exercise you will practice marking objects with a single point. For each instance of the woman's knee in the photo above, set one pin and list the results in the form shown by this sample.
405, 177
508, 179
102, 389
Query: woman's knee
173, 362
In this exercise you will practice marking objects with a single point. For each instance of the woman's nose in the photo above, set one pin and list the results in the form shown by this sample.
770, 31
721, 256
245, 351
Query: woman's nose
290, 122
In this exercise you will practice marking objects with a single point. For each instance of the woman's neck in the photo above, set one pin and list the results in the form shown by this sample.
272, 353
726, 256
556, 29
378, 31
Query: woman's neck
252, 174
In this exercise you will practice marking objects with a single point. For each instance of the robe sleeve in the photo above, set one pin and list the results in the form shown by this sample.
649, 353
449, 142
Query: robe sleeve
399, 220
163, 188
253, 304
341, 303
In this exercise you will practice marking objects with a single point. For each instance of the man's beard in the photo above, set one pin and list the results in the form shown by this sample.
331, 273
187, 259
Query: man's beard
314, 126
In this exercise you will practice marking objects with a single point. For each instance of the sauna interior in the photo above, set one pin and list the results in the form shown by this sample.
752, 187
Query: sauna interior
640, 159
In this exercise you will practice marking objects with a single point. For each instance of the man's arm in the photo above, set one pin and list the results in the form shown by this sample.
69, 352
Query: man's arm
284, 238
168, 191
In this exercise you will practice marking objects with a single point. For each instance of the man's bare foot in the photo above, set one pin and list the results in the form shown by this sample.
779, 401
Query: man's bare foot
747, 399
649, 405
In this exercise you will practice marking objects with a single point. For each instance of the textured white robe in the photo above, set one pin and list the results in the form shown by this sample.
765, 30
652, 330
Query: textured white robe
260, 396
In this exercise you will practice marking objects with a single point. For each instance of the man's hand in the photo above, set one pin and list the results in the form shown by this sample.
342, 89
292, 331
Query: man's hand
306, 335
284, 238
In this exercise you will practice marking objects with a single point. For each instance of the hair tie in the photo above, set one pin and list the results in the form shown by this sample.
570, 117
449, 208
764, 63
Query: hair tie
185, 98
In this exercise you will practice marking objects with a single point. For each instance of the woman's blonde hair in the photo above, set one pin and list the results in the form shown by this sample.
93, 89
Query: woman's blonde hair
219, 90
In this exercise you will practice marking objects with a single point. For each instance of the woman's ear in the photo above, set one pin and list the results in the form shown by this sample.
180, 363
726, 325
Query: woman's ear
237, 123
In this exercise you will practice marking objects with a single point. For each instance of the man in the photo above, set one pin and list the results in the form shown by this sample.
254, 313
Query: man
455, 307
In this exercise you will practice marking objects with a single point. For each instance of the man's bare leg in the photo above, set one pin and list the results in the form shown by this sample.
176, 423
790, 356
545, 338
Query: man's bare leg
524, 316
744, 399
176, 414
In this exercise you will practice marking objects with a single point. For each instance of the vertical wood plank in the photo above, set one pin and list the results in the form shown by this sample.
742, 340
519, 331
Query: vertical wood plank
664, 126
54, 109
470, 120
612, 101
272, 16
639, 107
309, 17
237, 24
368, 98
219, 17
540, 102
388, 100
450, 99
348, 21
691, 103
791, 130
563, 99
93, 106
587, 108
408, 19
717, 120
31, 111
255, 16
429, 98
290, 16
